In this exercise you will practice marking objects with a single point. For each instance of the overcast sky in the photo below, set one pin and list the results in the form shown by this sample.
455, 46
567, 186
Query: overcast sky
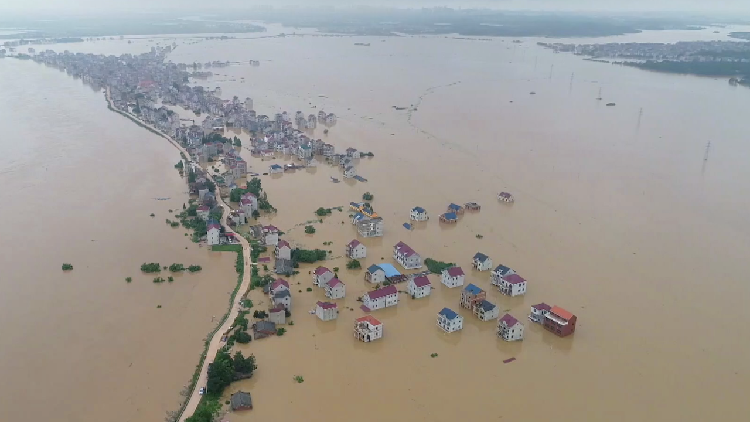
568, 5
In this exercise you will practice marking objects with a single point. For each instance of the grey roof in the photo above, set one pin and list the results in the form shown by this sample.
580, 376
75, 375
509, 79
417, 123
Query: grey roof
241, 400
372, 268
480, 256
282, 293
502, 269
448, 313
264, 326
487, 305
418, 209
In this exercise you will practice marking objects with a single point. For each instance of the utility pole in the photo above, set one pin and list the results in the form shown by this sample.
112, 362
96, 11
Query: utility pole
708, 148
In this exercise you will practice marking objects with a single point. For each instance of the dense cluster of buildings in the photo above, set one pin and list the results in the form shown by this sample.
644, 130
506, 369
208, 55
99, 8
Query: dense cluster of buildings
685, 51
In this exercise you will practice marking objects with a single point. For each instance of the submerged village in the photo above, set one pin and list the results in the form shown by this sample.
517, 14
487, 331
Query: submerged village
145, 87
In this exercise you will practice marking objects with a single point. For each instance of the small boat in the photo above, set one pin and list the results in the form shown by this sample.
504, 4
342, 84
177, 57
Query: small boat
610, 104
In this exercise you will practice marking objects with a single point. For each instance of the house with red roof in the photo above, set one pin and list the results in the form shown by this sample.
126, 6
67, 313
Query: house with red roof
321, 276
381, 298
538, 312
283, 250
509, 328
335, 289
278, 285
213, 233
326, 311
512, 285
368, 328
419, 287
406, 256
277, 315
271, 235
560, 321
356, 250
453, 277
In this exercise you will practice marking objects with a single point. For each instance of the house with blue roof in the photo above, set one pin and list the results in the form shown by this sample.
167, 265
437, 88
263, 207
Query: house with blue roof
275, 168
471, 295
449, 321
418, 214
458, 209
486, 310
481, 262
449, 217
496, 278
379, 273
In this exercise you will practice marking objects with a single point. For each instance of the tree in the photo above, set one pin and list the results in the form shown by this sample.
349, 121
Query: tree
237, 142
287, 312
153, 267
220, 373
322, 212
254, 186
260, 315
437, 267
191, 176
67, 267
280, 331
242, 364
183, 206
211, 186
309, 229
244, 338
256, 214
367, 196
353, 265
192, 210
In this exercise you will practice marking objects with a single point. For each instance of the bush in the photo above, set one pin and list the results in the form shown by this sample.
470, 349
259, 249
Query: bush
128, 279
434, 355
260, 315
158, 280
367, 196
309, 289
437, 267
322, 212
280, 331
242, 337
309, 229
67, 267
170, 279
158, 306
194, 268
153, 267
247, 303
175, 268
298, 379
175, 224
287, 313
353, 265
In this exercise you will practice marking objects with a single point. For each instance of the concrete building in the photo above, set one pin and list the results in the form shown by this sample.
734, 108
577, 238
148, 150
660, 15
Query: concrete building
418, 214
356, 250
335, 289
212, 235
278, 285
381, 298
321, 276
277, 315
326, 311
275, 168
452, 277
367, 328
241, 401
509, 329
496, 278
202, 212
512, 285
270, 235
375, 274
406, 256
370, 227
283, 250
449, 321
419, 287
471, 295
560, 322
486, 310
282, 298
481, 262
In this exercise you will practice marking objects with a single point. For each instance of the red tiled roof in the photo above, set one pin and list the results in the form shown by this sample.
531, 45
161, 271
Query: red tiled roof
327, 305
562, 313
421, 281
334, 282
509, 320
283, 243
542, 306
405, 249
385, 291
514, 279
279, 308
370, 319
354, 243
246, 201
213, 226
203, 208
455, 271
279, 282
270, 228
321, 270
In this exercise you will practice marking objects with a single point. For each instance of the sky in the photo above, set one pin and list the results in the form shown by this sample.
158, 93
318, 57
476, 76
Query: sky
98, 6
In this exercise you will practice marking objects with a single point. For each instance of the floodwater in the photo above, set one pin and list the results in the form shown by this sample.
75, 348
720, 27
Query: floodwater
618, 218
79, 183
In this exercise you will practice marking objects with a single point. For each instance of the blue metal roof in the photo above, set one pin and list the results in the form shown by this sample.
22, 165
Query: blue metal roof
372, 268
480, 256
471, 288
390, 270
454, 206
450, 215
487, 305
448, 313
418, 209
502, 269
407, 226
275, 166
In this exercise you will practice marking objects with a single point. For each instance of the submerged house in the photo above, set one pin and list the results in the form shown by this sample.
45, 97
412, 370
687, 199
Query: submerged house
271, 235
241, 401
472, 206
321, 276
419, 287
275, 168
538, 312
449, 217
455, 208
406, 256
335, 289
283, 250
368, 328
381, 298
282, 298
471, 295
418, 214
481, 262
505, 197
509, 329
263, 329
326, 311
453, 277
449, 321
370, 227
560, 321
213, 232
278, 285
486, 310
379, 273
277, 315
356, 250
512, 285
496, 278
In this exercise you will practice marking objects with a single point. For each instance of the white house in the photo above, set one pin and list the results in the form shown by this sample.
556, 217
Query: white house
282, 297
496, 278
355, 249
370, 227
353, 153
538, 312
381, 298
326, 311
278, 285
419, 287
512, 285
275, 168
406, 256
202, 212
283, 250
509, 329
350, 172
368, 328
321, 276
271, 235
212, 235
486, 310
449, 321
335, 289
277, 315
375, 274
453, 277
481, 262
418, 214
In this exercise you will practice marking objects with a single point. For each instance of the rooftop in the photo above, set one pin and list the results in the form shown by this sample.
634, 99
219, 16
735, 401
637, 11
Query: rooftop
385, 291
321, 270
471, 288
418, 209
354, 243
514, 279
509, 320
480, 256
542, 306
421, 281
455, 271
390, 270
450, 216
487, 305
334, 282
453, 206
283, 293
562, 313
327, 305
283, 243
448, 313
369, 319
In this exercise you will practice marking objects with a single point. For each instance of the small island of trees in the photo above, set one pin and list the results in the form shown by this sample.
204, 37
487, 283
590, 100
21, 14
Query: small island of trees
67, 267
